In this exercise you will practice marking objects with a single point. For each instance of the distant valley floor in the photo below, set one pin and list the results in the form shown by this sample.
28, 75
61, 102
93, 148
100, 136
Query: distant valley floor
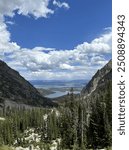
54, 89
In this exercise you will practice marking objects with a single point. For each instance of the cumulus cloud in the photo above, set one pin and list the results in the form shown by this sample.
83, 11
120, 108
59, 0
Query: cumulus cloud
5, 45
59, 4
66, 66
98, 45
80, 62
9, 8
30, 7
50, 63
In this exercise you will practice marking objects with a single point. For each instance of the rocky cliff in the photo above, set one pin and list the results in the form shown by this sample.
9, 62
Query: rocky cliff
99, 78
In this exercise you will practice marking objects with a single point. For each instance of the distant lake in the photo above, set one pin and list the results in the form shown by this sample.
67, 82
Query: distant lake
59, 93
46, 84
60, 87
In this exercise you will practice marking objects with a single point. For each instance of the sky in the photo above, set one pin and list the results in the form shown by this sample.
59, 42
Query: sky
56, 39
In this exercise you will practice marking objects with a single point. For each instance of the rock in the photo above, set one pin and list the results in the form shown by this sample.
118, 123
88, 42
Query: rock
100, 76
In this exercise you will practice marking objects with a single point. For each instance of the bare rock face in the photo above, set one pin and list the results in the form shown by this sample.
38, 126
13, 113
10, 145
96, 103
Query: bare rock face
100, 77
14, 87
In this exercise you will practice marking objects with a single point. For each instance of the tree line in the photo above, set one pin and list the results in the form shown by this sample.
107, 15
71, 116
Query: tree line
80, 124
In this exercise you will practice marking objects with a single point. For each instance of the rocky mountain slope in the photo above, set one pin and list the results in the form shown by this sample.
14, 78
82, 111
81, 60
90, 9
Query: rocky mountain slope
86, 117
97, 99
95, 86
99, 79
13, 87
99, 90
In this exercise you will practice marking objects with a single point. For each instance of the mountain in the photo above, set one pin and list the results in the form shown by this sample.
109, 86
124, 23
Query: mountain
98, 92
101, 77
95, 86
97, 101
82, 122
13, 87
91, 111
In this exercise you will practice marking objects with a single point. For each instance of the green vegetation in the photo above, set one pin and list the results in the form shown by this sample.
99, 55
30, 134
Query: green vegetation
79, 125
5, 148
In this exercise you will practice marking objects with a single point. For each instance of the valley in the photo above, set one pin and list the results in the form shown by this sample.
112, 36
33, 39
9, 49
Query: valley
29, 120
58, 88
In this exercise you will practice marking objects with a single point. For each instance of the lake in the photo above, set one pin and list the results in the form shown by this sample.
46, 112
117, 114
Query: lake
59, 93
59, 87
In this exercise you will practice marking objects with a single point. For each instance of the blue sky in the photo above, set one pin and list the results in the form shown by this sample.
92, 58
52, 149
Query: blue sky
66, 28
55, 39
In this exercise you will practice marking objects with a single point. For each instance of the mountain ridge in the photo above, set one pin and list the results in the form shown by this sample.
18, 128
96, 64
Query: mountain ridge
100, 75
14, 87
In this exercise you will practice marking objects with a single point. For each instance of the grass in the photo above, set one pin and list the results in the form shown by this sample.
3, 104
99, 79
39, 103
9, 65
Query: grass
5, 148
110, 148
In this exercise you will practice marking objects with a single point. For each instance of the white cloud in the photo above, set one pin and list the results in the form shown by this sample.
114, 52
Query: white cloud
5, 45
10, 8
66, 66
98, 45
59, 4
98, 60
50, 63
80, 62
43, 49
30, 7
10, 22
